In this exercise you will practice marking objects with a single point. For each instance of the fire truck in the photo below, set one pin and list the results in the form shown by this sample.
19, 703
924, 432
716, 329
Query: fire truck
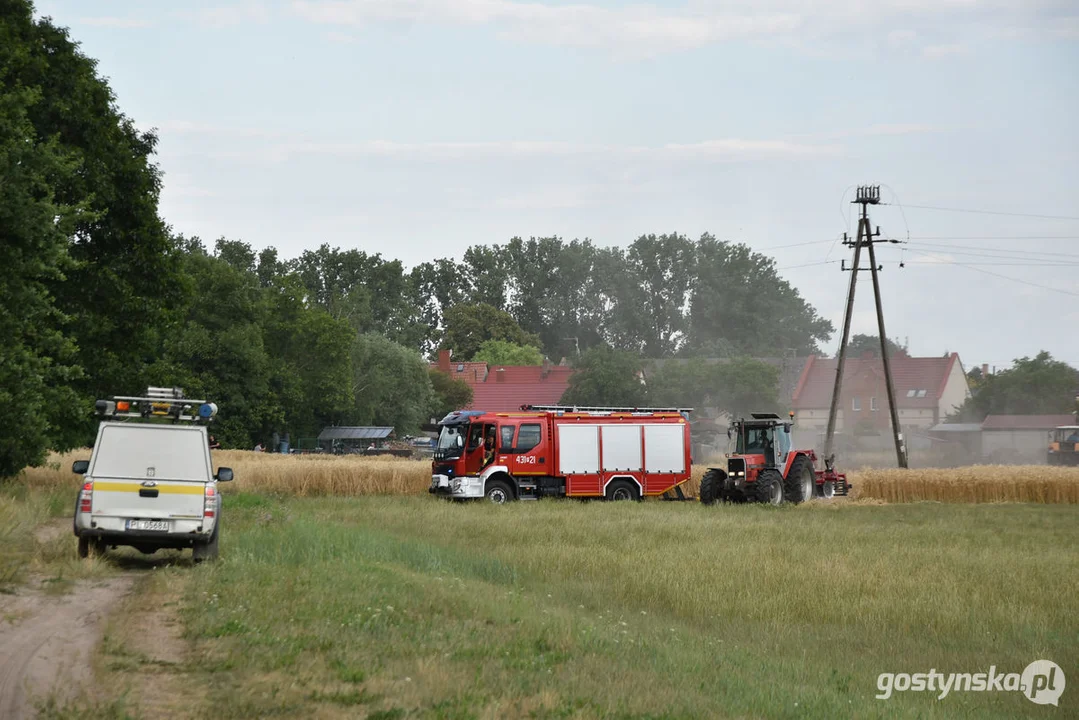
559, 451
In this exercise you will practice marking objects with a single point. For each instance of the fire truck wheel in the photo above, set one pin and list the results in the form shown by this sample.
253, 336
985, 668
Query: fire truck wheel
498, 492
768, 488
622, 490
709, 487
800, 481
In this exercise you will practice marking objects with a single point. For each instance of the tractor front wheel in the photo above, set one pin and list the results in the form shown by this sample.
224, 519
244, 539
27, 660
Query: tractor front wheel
827, 490
767, 489
710, 487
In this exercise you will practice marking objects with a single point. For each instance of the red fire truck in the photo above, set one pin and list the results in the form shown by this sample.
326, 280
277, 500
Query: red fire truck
558, 451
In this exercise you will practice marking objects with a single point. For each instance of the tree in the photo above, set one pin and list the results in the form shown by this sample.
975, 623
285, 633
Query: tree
607, 377
651, 297
468, 326
124, 285
869, 343
449, 393
737, 386
500, 352
36, 359
1032, 386
218, 352
739, 298
391, 384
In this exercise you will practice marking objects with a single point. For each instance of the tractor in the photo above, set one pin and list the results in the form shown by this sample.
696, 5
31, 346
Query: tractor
762, 467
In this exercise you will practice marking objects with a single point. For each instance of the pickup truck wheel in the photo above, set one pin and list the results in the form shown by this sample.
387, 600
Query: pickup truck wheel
209, 550
91, 547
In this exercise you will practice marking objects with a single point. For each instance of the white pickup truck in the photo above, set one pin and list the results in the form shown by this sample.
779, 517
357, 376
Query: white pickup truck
149, 486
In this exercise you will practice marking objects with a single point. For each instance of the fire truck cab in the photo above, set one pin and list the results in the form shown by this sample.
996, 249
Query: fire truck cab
557, 451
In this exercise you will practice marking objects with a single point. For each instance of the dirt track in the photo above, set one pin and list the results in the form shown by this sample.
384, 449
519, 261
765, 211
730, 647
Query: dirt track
46, 641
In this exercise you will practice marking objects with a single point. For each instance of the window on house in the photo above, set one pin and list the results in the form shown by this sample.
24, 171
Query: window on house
921, 393
873, 404
910, 393
856, 404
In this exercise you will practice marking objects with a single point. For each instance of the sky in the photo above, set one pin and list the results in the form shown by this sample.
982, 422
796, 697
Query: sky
415, 128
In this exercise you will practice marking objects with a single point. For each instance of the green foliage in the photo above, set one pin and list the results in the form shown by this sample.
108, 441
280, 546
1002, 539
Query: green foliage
1032, 386
36, 359
501, 352
468, 326
869, 343
449, 393
740, 299
738, 386
392, 385
606, 376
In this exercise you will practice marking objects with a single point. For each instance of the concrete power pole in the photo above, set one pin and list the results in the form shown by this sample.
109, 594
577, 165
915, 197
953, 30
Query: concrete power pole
867, 195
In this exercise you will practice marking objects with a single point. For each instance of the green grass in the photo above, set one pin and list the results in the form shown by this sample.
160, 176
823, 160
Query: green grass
23, 510
411, 607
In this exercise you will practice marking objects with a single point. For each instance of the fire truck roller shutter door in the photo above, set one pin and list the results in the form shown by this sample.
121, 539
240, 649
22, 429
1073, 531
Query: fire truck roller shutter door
578, 448
621, 447
664, 448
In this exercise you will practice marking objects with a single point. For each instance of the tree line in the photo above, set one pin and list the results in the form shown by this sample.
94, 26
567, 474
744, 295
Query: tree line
101, 297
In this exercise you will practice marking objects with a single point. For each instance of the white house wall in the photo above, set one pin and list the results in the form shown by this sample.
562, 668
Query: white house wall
956, 391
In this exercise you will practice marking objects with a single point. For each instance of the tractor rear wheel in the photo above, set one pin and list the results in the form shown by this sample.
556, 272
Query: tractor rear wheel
710, 487
767, 489
800, 482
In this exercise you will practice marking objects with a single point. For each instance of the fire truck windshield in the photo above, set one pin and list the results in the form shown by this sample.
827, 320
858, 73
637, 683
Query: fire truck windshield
451, 441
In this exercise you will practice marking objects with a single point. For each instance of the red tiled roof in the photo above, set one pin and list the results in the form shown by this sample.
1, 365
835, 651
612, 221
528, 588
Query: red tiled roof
908, 374
529, 373
1026, 422
507, 396
471, 372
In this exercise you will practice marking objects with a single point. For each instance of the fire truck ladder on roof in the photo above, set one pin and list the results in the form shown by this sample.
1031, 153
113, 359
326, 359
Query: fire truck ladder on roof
603, 410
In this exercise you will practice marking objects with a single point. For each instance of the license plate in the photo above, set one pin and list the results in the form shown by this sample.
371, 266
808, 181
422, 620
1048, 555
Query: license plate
161, 525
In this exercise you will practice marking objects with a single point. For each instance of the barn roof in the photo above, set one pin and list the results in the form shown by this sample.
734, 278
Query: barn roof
355, 433
1026, 422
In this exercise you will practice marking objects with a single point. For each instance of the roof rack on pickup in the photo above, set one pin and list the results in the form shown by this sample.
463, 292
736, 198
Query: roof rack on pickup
159, 403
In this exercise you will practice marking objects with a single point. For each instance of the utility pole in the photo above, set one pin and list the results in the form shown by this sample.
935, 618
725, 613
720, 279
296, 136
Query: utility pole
867, 195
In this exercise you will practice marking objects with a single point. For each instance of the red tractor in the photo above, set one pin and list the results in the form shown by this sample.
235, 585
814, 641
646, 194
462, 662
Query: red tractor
762, 467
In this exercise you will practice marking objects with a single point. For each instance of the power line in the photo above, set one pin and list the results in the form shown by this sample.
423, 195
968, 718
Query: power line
783, 247
1009, 264
993, 212
995, 253
819, 262
1004, 277
995, 237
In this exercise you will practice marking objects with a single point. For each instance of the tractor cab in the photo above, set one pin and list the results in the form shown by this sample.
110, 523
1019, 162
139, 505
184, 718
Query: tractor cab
765, 437
1064, 445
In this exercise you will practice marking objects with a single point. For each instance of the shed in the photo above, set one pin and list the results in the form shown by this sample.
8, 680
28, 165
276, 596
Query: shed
344, 438
1019, 438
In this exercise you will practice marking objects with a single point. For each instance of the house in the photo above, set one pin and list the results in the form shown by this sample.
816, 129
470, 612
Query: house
1019, 438
927, 389
505, 388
